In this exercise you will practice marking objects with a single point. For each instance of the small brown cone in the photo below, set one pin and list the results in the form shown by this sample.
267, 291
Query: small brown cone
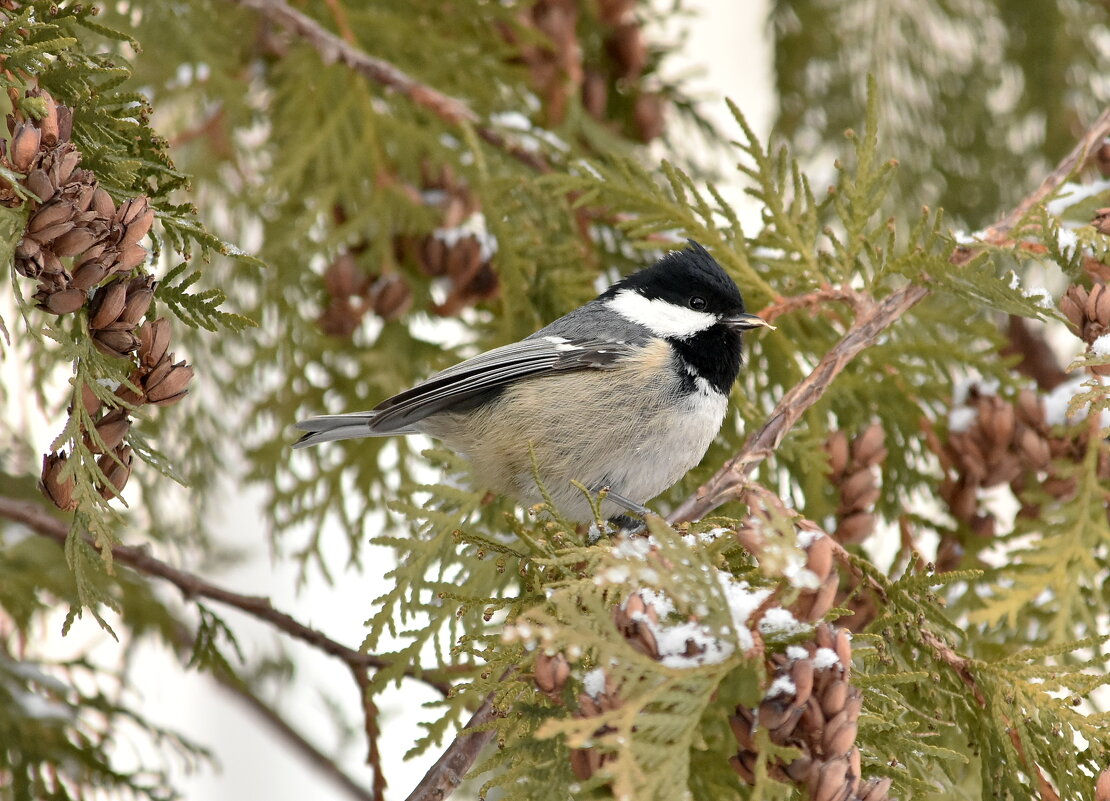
112, 428
53, 486
1102, 786
116, 466
166, 384
550, 674
65, 301
1101, 221
115, 343
390, 297
154, 340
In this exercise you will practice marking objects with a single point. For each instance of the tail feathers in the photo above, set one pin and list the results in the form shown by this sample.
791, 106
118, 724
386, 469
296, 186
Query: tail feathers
332, 427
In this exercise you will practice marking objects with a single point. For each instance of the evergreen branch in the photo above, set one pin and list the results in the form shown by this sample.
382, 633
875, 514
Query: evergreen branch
871, 321
332, 48
453, 764
949, 657
962, 668
191, 586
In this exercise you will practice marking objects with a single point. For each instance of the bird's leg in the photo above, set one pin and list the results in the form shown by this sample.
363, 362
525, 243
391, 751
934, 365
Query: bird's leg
626, 524
630, 505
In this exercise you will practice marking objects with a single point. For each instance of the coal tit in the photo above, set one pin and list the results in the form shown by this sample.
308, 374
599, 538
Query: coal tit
625, 393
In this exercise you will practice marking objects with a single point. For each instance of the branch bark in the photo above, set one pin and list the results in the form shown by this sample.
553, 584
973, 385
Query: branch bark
454, 763
870, 323
333, 48
191, 586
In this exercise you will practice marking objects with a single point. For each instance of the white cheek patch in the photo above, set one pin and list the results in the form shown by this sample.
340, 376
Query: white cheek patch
662, 318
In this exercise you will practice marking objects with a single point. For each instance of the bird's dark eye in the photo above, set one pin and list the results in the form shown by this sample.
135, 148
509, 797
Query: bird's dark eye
698, 303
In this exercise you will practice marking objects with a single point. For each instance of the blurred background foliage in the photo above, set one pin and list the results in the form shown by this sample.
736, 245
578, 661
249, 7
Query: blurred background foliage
388, 242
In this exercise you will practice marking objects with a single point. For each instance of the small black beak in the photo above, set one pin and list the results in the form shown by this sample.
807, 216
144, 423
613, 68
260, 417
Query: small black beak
744, 322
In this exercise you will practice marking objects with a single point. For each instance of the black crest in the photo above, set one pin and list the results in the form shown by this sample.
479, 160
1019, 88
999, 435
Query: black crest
683, 274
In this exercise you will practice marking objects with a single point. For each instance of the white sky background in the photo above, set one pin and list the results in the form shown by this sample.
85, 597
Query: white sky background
728, 43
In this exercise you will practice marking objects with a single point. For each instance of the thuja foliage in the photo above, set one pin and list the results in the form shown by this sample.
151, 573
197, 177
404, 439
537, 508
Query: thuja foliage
392, 241
945, 93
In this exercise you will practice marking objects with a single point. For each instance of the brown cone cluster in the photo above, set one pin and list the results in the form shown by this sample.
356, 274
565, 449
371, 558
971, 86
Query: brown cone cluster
634, 619
116, 310
853, 473
160, 380
550, 674
82, 247
451, 253
1089, 311
1005, 443
585, 762
555, 66
811, 706
75, 219
811, 604
560, 67
352, 294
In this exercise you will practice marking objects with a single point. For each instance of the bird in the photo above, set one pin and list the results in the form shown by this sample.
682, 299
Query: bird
623, 395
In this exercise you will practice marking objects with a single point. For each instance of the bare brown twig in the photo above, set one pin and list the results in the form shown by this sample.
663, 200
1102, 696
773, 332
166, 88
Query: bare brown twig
334, 48
452, 766
855, 299
370, 718
42, 522
871, 321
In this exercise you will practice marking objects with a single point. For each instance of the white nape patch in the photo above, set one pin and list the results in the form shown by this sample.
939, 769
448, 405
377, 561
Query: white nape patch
662, 318
562, 344
704, 387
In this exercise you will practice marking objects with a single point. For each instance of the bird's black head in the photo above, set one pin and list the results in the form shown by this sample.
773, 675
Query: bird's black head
688, 299
689, 278
681, 295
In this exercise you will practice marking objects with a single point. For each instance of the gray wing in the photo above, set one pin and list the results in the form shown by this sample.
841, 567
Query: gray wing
467, 383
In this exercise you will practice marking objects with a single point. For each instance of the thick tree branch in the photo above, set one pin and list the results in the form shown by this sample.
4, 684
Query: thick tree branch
42, 522
454, 763
871, 321
333, 48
